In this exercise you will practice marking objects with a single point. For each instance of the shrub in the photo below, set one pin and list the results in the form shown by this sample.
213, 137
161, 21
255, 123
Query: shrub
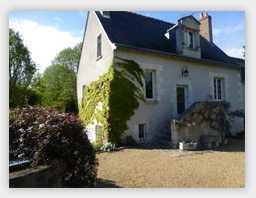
130, 141
97, 145
103, 145
240, 134
50, 134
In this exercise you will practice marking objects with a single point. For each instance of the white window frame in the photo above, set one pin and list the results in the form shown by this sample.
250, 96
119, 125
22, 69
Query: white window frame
187, 38
153, 85
215, 89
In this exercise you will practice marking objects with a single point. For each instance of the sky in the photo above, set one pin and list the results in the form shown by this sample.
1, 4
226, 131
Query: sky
46, 33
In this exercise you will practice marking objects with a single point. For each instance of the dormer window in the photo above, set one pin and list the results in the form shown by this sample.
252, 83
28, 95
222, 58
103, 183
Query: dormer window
189, 39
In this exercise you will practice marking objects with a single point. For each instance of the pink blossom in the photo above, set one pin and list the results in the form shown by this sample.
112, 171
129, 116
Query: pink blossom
21, 130
21, 155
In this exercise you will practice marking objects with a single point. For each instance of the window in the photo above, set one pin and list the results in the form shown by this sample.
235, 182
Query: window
149, 85
99, 132
99, 46
218, 89
142, 132
189, 39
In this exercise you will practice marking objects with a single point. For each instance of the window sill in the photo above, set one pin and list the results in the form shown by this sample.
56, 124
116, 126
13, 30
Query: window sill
218, 100
151, 101
192, 49
99, 57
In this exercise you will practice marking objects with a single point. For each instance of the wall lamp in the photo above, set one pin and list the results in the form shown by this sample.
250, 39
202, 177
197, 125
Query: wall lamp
185, 72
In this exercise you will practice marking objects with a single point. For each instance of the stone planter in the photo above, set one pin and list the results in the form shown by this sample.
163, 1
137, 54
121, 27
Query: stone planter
187, 146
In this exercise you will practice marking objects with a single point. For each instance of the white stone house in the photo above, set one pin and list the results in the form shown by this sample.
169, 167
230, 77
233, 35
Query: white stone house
180, 60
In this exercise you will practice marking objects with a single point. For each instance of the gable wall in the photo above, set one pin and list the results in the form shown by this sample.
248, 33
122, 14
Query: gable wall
157, 114
89, 68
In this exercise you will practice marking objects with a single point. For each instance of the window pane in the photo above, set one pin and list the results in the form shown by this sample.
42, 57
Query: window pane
142, 132
99, 46
190, 39
215, 91
218, 89
149, 85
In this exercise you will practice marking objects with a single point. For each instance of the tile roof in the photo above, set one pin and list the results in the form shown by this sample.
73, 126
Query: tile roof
130, 30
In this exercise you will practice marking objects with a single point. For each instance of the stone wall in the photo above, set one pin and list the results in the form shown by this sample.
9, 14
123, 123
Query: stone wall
200, 119
43, 176
179, 133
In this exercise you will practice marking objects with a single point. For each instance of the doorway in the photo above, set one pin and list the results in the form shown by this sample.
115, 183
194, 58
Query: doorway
181, 99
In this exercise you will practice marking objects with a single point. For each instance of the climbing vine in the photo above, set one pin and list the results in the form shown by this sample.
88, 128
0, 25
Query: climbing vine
112, 99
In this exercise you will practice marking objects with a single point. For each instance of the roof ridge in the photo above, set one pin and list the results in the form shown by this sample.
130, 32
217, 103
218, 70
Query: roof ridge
130, 12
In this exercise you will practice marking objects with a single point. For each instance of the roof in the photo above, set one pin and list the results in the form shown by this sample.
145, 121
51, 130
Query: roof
130, 30
190, 16
240, 62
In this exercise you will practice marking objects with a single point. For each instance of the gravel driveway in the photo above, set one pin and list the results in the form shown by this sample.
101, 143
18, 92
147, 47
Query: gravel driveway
149, 168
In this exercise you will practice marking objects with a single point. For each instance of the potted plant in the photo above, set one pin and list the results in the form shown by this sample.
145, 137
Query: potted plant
184, 145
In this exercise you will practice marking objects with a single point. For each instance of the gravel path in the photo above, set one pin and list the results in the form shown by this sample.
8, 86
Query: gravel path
149, 168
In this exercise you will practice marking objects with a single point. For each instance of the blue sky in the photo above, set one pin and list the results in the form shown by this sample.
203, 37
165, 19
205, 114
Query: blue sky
47, 32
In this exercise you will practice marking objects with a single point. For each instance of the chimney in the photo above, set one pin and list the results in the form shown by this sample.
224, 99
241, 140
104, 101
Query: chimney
206, 26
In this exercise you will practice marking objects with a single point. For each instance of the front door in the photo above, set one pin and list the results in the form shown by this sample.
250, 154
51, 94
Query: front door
181, 95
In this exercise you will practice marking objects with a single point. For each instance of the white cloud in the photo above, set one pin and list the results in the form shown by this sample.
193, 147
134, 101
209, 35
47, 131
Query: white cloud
234, 28
44, 42
235, 52
228, 30
216, 31
57, 19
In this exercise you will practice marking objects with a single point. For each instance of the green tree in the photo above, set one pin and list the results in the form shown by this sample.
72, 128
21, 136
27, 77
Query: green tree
69, 57
21, 70
36, 90
58, 84
59, 88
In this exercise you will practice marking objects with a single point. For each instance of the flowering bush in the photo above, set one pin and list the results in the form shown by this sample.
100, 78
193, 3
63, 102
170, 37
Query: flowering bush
50, 134
103, 145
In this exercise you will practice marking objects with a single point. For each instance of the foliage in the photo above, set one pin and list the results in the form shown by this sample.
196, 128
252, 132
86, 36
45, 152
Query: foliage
21, 70
36, 96
57, 86
130, 141
240, 134
103, 145
51, 134
118, 94
69, 57
191, 143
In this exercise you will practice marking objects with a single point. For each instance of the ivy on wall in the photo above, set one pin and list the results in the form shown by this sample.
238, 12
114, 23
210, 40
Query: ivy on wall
112, 99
